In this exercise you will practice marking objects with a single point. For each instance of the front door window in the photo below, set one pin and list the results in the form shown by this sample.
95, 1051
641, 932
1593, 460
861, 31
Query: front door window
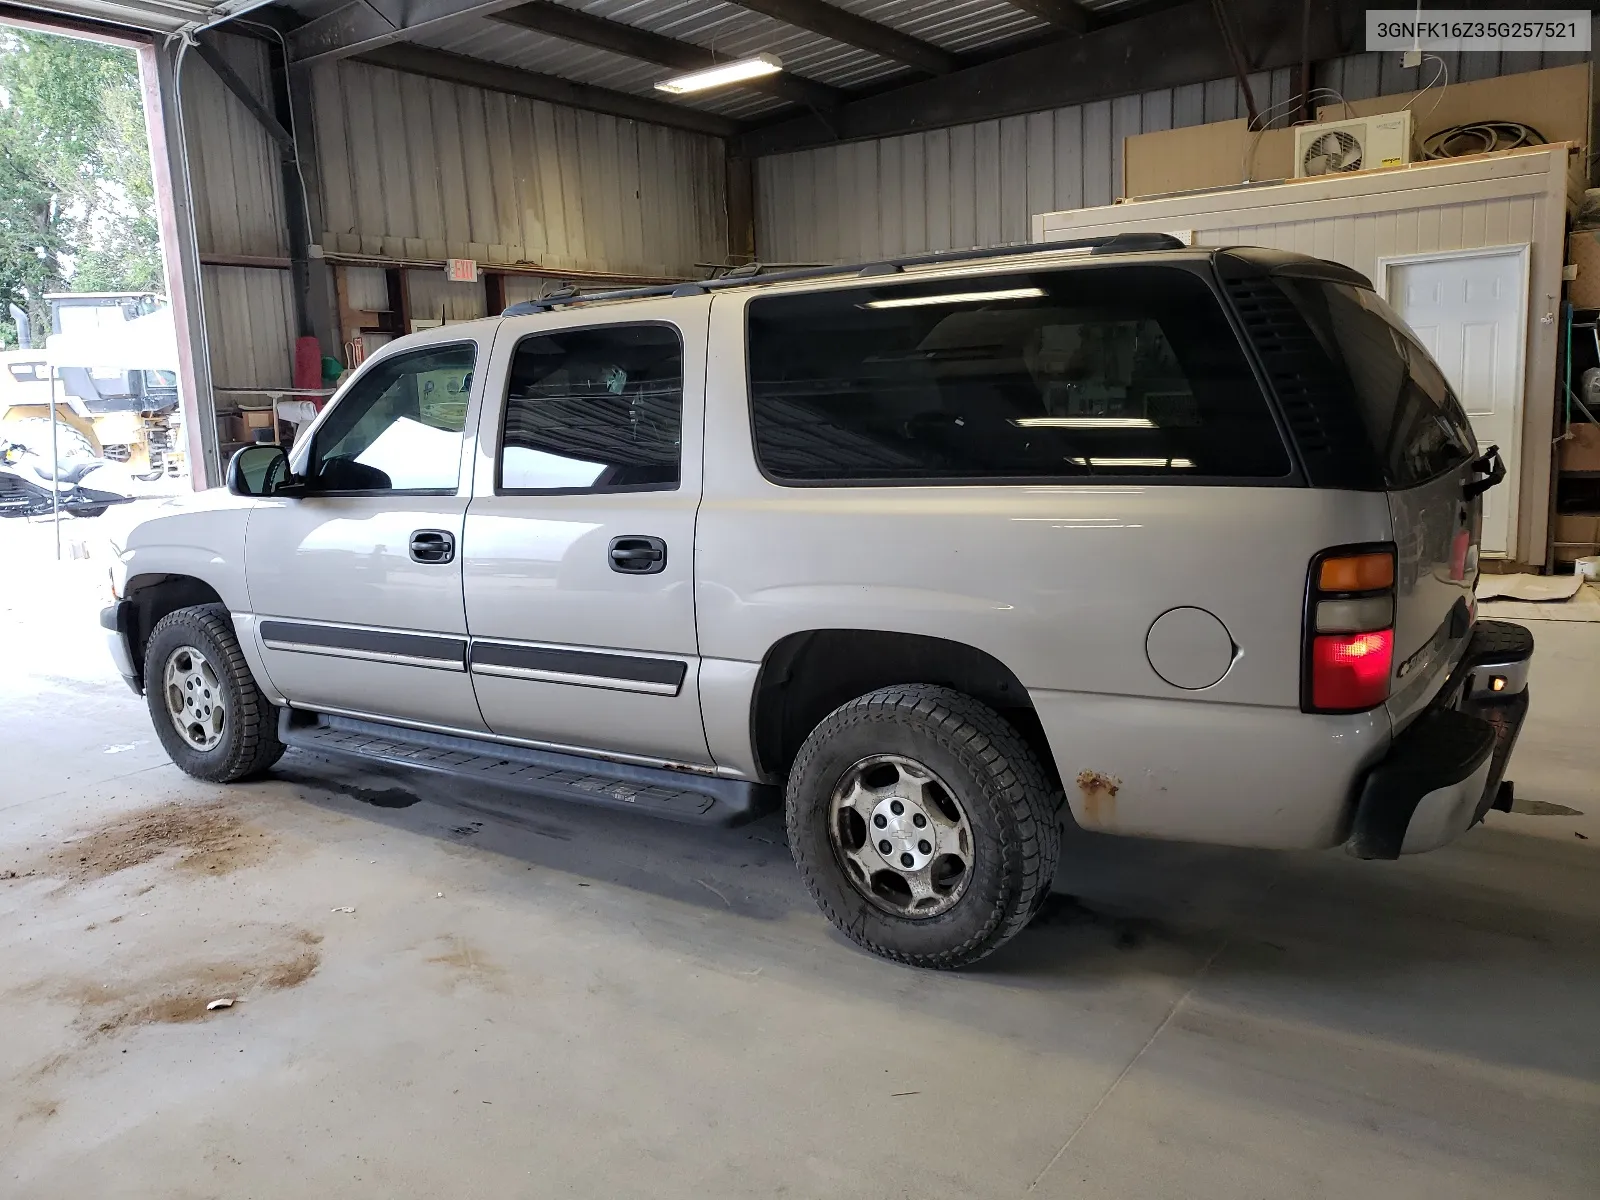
399, 428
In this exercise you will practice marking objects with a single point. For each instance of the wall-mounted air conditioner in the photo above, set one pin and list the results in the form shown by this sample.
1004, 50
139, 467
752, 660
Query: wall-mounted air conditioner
1364, 144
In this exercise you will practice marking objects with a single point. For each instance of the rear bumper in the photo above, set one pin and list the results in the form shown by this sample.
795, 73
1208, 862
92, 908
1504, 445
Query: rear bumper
1443, 773
117, 621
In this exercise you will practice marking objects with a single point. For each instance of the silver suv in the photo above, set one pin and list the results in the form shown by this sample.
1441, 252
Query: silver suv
946, 555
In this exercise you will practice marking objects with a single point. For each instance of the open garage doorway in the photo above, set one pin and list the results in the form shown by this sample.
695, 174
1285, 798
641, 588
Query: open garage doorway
86, 312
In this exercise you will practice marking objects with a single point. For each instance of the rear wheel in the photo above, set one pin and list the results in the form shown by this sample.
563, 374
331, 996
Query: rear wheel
923, 825
208, 712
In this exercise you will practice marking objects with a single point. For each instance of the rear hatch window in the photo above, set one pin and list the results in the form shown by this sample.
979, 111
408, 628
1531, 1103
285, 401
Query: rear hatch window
1416, 426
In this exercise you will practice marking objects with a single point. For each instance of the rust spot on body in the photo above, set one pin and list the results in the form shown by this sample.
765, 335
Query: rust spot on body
1099, 792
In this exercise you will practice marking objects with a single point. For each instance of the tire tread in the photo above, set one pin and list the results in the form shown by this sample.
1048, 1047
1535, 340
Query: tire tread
973, 731
255, 747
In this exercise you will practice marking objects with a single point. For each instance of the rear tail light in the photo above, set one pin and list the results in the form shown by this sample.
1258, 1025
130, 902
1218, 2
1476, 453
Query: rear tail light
1350, 671
1349, 630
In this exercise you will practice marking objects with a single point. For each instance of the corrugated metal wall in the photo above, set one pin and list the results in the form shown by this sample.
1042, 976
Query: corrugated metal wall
238, 210
233, 164
250, 325
435, 298
367, 288
977, 185
420, 169
412, 169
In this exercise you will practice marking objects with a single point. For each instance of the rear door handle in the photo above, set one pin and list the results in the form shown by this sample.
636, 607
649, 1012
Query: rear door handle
638, 555
433, 546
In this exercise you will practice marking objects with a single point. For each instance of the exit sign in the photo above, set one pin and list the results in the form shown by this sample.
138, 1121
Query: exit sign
461, 270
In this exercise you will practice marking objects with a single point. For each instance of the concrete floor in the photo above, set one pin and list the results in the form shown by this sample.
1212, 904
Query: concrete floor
537, 1000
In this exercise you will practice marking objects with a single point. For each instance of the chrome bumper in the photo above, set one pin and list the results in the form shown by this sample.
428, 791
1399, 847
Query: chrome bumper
1444, 772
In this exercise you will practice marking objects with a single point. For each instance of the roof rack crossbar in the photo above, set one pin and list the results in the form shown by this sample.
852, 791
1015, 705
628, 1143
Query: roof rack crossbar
1116, 243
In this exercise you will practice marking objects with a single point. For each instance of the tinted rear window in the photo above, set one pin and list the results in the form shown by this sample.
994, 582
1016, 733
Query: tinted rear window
597, 409
1413, 420
1125, 371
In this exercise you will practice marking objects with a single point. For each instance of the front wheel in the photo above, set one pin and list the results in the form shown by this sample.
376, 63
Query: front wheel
208, 712
923, 826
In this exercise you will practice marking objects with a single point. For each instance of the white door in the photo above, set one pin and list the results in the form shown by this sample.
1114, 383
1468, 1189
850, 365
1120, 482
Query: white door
1469, 311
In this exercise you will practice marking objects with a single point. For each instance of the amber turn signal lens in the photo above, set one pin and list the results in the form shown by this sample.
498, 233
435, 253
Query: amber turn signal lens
1356, 573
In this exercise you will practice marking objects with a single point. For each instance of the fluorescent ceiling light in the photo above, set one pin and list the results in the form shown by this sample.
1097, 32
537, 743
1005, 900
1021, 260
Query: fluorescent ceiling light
722, 74
958, 298
1181, 464
1083, 422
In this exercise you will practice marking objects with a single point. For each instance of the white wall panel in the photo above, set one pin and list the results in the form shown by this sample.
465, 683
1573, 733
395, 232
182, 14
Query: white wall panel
418, 168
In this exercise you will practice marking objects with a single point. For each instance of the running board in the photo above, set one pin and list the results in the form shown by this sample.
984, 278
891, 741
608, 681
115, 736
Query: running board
675, 795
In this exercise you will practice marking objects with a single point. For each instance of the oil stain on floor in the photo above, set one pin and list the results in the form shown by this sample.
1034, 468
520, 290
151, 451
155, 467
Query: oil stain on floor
394, 797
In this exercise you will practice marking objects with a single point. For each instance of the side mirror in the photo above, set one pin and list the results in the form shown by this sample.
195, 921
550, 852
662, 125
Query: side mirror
257, 470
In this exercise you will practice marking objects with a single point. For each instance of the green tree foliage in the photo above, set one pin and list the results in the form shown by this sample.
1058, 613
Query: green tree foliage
77, 202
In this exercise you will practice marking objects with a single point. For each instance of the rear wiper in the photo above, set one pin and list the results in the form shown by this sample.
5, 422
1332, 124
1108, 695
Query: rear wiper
1491, 467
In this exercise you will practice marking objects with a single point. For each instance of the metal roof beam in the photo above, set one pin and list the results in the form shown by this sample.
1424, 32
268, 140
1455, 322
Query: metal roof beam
1065, 15
844, 26
364, 25
479, 73
1168, 48
575, 25
232, 80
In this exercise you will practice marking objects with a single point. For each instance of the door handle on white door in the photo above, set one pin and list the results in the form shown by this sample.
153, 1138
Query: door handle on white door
433, 546
638, 555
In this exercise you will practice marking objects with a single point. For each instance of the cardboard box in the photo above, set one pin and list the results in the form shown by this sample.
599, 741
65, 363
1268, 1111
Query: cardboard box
1581, 451
1583, 252
1555, 101
1222, 154
230, 429
259, 418
1575, 533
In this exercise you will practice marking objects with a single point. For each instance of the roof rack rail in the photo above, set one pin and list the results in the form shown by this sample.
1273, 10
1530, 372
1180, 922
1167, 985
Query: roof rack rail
752, 274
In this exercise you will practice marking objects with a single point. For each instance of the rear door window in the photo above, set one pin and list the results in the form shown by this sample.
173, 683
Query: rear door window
1413, 420
594, 410
1067, 374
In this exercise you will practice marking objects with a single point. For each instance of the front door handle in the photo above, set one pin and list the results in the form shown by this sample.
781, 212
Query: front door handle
433, 546
637, 555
